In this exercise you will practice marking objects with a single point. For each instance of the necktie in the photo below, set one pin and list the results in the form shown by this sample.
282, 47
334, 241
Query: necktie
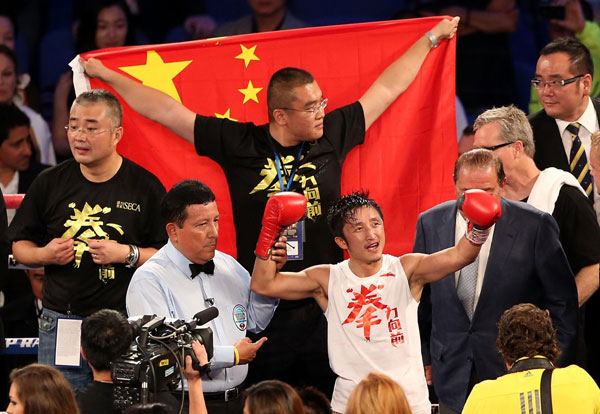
578, 161
467, 283
207, 268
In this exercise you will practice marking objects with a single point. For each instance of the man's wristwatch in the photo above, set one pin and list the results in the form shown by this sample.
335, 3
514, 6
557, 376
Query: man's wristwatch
432, 39
133, 257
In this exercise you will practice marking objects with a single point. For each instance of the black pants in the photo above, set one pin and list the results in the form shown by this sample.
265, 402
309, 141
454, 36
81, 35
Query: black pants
296, 351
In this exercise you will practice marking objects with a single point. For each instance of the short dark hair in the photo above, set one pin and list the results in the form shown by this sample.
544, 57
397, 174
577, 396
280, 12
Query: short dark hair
579, 55
11, 117
344, 210
526, 331
479, 158
105, 335
315, 402
8, 52
280, 92
114, 111
184, 193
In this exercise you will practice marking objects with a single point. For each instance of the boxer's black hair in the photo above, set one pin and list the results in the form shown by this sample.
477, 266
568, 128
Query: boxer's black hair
343, 211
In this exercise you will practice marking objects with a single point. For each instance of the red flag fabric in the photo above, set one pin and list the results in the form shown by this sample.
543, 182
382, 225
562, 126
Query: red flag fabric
406, 161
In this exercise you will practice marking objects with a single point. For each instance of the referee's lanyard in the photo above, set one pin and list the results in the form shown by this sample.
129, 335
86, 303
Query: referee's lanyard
295, 232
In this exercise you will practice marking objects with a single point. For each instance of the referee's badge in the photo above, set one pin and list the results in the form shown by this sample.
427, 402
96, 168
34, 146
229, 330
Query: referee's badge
240, 317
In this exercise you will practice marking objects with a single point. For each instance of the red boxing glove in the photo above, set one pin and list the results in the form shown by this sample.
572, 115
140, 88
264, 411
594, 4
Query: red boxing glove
482, 210
282, 210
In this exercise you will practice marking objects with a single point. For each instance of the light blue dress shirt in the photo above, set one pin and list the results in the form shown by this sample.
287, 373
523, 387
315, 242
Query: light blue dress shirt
164, 286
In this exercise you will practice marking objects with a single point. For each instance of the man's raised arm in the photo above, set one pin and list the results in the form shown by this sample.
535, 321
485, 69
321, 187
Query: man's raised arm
148, 102
397, 77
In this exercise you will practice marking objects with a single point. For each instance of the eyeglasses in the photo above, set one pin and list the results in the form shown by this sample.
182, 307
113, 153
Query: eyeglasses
495, 147
86, 132
315, 109
538, 84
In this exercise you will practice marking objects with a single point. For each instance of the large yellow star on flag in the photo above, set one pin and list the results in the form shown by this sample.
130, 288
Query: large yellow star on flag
250, 93
247, 54
226, 115
157, 74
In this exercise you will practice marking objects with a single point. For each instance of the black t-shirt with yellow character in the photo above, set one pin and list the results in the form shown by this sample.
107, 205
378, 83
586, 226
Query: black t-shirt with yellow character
61, 202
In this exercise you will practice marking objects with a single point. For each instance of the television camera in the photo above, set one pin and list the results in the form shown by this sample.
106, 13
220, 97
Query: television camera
155, 362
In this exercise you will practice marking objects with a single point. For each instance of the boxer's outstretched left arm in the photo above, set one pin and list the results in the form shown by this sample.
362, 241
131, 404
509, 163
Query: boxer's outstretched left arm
398, 76
481, 210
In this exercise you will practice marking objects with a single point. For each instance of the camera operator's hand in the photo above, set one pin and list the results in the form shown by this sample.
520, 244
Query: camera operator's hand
190, 373
279, 252
247, 349
197, 403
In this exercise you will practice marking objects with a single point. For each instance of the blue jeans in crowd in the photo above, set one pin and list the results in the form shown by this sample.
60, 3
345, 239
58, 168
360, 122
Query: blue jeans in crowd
77, 377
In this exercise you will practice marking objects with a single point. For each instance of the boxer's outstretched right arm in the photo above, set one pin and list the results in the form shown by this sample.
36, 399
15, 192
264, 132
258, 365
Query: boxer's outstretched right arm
149, 102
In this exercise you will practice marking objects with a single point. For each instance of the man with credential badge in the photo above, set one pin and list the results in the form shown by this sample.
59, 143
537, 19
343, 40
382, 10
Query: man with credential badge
89, 222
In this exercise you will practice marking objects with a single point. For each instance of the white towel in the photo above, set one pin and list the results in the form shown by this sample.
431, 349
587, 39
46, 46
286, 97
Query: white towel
546, 188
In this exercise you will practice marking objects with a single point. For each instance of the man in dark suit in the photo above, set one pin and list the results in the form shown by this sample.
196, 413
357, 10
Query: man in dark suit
563, 80
18, 167
522, 261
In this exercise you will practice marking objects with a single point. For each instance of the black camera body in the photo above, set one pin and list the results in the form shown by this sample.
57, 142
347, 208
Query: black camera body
156, 360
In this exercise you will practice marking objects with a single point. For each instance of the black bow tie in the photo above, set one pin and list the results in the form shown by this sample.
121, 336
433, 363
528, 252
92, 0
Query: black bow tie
208, 268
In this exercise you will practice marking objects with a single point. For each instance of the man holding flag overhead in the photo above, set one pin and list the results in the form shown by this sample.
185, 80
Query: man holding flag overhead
301, 149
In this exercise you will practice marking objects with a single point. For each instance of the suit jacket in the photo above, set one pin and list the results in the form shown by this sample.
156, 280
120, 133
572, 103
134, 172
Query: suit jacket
549, 150
526, 264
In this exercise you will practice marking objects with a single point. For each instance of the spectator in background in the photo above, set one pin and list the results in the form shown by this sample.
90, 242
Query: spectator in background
157, 21
7, 32
104, 24
380, 394
527, 342
579, 24
267, 15
483, 56
273, 396
315, 402
8, 95
465, 144
38, 389
18, 168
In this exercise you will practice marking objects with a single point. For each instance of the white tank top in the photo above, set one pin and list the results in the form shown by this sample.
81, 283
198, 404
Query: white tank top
372, 326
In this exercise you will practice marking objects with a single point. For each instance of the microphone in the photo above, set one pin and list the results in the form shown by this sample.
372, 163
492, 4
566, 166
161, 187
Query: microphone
206, 315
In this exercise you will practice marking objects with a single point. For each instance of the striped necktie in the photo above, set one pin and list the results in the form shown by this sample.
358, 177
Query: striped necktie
578, 161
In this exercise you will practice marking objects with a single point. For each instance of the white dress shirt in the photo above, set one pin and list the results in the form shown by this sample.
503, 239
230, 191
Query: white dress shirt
164, 286
589, 125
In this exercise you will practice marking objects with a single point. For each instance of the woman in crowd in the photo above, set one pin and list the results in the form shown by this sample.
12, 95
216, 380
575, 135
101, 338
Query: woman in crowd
8, 95
104, 24
40, 389
380, 394
272, 397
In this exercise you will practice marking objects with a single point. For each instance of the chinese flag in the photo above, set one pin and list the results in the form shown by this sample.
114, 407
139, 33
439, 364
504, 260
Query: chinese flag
406, 161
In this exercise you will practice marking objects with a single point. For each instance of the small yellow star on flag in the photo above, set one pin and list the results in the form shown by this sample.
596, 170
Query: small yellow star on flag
157, 74
250, 93
226, 115
247, 54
